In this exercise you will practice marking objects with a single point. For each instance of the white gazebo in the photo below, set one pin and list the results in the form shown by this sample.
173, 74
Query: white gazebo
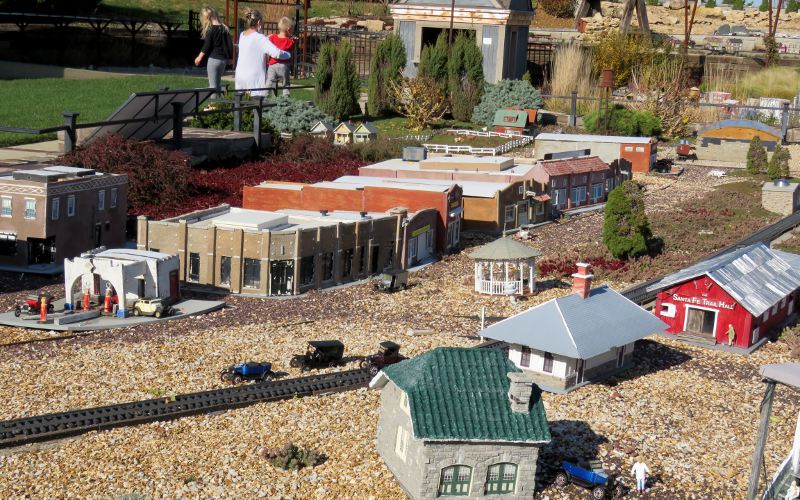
503, 266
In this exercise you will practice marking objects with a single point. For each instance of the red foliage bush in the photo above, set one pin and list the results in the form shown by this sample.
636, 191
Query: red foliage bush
157, 177
313, 149
562, 267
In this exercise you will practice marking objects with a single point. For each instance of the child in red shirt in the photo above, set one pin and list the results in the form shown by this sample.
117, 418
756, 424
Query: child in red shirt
278, 70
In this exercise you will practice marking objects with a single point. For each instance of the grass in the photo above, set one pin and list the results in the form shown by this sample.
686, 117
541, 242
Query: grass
572, 70
478, 142
395, 126
777, 81
179, 9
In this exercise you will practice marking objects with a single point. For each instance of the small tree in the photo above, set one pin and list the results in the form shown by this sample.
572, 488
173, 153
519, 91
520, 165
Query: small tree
433, 61
756, 157
293, 116
517, 93
626, 230
737, 4
764, 7
465, 77
323, 74
779, 163
387, 65
792, 6
346, 86
710, 4
420, 100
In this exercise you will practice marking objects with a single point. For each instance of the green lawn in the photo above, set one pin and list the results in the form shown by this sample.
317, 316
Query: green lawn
395, 126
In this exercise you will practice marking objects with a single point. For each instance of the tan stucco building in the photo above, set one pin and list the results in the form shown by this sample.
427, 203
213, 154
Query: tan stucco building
56, 212
780, 196
286, 252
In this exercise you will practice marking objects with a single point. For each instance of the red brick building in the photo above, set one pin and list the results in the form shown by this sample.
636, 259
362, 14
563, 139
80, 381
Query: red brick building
736, 299
632, 153
575, 182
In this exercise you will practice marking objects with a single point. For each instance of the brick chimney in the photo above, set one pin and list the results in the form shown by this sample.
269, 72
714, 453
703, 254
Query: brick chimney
520, 391
582, 280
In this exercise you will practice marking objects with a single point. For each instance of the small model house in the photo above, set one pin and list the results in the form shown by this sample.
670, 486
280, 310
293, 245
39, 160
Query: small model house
365, 132
505, 267
57, 212
514, 120
574, 340
321, 129
575, 182
781, 196
343, 133
128, 274
729, 140
735, 299
637, 154
460, 422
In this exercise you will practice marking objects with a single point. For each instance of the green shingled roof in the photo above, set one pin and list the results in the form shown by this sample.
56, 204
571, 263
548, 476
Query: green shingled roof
461, 394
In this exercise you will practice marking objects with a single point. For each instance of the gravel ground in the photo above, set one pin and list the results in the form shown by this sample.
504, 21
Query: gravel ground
692, 413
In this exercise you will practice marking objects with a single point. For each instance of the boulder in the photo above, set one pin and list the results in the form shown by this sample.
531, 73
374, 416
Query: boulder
373, 25
671, 20
675, 4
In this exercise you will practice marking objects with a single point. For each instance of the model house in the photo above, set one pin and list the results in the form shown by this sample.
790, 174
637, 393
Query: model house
129, 274
577, 339
729, 140
460, 422
575, 182
781, 196
500, 29
636, 154
446, 199
735, 299
343, 133
321, 129
286, 252
57, 212
365, 132
514, 120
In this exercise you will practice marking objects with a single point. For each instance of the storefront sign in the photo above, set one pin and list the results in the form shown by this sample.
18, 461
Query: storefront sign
702, 301
455, 204
421, 230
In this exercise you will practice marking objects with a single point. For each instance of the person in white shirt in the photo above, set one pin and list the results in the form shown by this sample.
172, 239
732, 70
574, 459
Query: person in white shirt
641, 471
251, 70
794, 491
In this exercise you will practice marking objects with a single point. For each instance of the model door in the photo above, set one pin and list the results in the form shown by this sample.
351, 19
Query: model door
98, 234
579, 370
422, 246
174, 288
281, 275
700, 321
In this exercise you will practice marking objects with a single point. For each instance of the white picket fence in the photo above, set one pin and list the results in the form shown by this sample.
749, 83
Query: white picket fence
519, 141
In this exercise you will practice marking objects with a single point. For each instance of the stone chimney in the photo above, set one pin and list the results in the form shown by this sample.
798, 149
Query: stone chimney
520, 391
582, 280
323, 213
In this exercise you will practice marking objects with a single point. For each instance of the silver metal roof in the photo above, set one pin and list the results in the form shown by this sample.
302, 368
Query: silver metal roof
756, 276
547, 136
578, 328
784, 373
505, 249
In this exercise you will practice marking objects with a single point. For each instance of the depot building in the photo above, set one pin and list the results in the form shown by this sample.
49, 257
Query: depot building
737, 299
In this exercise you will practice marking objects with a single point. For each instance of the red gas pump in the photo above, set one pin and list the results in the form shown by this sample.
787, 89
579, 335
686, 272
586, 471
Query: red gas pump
43, 309
86, 300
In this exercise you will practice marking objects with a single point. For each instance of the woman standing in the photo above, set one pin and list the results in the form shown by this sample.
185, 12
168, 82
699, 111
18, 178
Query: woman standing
217, 47
251, 71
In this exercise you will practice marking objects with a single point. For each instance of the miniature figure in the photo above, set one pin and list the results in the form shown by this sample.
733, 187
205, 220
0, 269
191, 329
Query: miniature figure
594, 477
319, 354
793, 492
641, 471
388, 354
235, 374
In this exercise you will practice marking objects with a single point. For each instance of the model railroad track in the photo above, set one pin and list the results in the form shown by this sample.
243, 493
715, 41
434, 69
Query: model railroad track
71, 423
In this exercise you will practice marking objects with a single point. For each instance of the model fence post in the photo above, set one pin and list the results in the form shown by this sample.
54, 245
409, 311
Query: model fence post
785, 122
237, 113
761, 440
70, 136
573, 109
257, 121
177, 123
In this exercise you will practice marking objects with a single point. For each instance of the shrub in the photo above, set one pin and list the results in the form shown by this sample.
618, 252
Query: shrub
558, 8
342, 103
779, 163
652, 2
433, 61
323, 74
387, 65
380, 149
756, 157
420, 100
626, 230
156, 176
292, 116
464, 76
572, 70
517, 93
737, 4
307, 148
624, 52
764, 7
623, 121
710, 4
792, 6
224, 121
290, 457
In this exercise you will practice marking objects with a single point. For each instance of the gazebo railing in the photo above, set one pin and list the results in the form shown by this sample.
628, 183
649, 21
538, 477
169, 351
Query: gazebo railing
499, 287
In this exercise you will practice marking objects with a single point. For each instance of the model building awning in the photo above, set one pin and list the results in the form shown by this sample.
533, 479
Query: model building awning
542, 198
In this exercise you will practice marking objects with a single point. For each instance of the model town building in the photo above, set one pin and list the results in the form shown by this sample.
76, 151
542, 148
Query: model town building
729, 140
500, 28
343, 133
781, 196
259, 252
735, 299
577, 339
576, 182
57, 212
128, 274
505, 267
365, 132
321, 129
514, 120
633, 154
460, 422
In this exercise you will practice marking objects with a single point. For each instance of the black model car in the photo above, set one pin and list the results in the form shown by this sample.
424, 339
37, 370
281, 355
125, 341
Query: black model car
388, 354
319, 354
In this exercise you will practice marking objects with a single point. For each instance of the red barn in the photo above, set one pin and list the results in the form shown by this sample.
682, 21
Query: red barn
735, 299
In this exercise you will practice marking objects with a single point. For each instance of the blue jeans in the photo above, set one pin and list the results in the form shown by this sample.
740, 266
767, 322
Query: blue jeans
640, 484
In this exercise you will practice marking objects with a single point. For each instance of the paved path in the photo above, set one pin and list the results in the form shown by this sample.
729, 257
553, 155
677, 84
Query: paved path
29, 155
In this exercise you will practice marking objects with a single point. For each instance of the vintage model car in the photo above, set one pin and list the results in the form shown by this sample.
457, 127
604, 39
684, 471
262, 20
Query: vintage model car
391, 281
32, 304
319, 354
151, 307
594, 478
388, 354
235, 374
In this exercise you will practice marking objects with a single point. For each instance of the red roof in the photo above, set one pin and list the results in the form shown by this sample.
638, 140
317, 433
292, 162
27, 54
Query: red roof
580, 165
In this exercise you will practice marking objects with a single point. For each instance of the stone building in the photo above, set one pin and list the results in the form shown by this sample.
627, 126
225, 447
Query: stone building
57, 212
500, 28
781, 196
287, 252
729, 140
577, 339
460, 422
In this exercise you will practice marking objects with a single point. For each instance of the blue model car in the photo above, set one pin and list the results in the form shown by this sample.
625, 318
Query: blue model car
595, 478
235, 374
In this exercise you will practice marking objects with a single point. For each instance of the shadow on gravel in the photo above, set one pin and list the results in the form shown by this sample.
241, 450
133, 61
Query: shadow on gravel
573, 441
649, 357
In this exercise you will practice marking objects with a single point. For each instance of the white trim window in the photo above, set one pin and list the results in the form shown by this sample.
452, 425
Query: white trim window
412, 249
70, 205
30, 208
578, 195
509, 214
429, 239
404, 403
559, 197
597, 191
114, 196
101, 199
521, 190
8, 209
55, 209
401, 442
668, 310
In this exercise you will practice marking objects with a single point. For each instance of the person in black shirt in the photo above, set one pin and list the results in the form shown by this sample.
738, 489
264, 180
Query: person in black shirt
218, 47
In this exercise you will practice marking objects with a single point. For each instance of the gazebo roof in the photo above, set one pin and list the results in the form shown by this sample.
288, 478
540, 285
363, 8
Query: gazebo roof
505, 249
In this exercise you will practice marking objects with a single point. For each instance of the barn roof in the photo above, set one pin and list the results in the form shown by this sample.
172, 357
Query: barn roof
579, 165
576, 327
510, 118
755, 276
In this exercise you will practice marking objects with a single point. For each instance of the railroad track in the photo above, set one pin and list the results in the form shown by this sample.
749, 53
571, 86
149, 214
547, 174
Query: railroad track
71, 423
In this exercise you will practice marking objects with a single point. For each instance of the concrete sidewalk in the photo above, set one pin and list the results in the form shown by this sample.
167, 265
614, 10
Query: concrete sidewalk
29, 155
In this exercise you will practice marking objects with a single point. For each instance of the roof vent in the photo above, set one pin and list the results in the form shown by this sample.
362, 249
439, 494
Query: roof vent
323, 213
781, 182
